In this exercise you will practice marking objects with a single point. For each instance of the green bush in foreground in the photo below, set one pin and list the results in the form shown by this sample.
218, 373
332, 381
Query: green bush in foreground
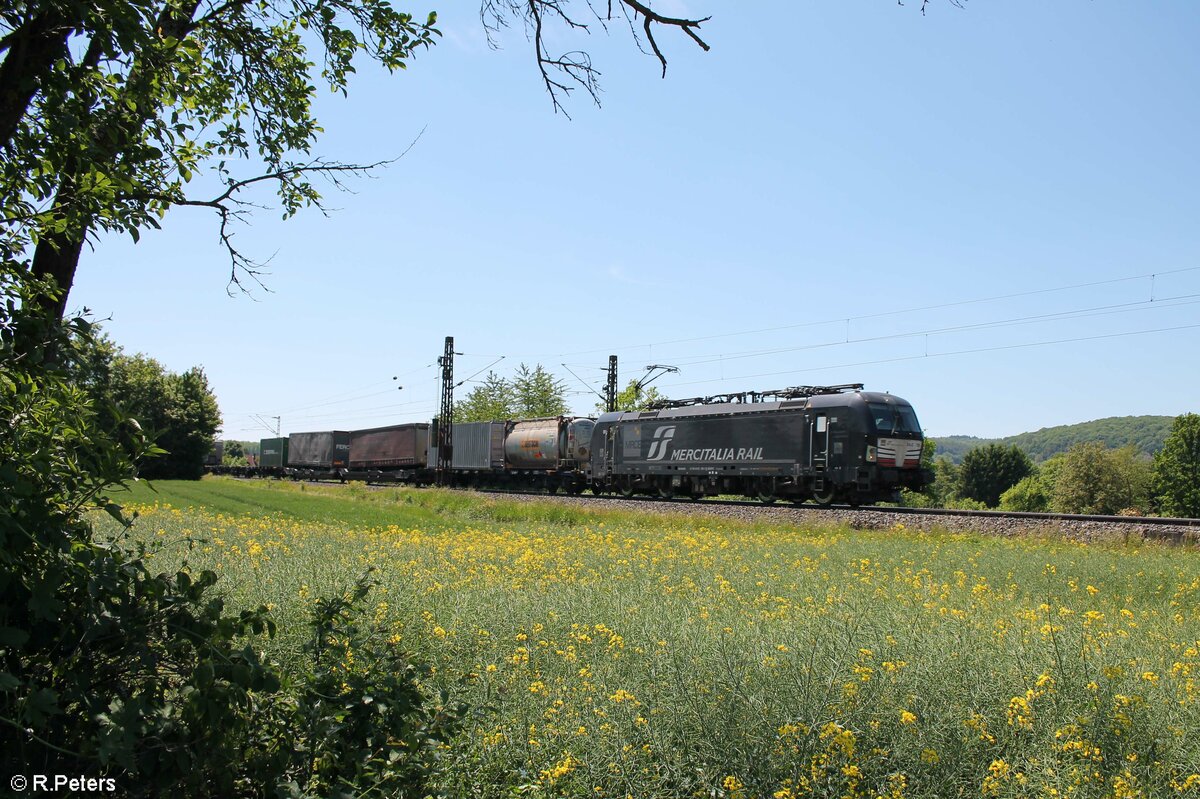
113, 672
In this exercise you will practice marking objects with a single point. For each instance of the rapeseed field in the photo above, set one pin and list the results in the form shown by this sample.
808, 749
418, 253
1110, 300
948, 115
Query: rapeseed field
614, 655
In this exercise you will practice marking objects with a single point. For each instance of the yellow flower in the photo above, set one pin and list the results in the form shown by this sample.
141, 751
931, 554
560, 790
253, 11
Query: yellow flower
908, 717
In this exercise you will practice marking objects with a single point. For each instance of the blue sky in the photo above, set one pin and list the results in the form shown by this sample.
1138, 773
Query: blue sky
963, 208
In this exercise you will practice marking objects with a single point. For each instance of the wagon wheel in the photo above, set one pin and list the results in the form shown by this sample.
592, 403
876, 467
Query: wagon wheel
823, 498
766, 492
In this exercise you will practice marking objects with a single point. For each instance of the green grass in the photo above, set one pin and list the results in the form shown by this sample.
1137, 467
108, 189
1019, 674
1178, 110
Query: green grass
614, 654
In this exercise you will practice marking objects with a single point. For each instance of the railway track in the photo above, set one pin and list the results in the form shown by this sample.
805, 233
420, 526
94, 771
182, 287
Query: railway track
1074, 525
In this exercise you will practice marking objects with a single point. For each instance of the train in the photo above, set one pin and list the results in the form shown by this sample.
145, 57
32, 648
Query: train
826, 444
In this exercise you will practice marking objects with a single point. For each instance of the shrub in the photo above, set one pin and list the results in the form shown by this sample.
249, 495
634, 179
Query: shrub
1030, 495
109, 670
1095, 479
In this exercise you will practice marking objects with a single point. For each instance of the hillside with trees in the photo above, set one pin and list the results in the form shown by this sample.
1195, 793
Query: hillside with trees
1145, 434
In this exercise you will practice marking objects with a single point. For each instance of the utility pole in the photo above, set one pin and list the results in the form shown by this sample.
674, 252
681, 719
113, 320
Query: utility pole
610, 393
445, 437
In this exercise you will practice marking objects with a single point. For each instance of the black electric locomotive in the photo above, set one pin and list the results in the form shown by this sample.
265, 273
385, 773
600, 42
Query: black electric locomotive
830, 444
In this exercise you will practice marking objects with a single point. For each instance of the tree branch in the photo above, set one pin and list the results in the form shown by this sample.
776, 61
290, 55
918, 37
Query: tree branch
230, 208
575, 67
651, 18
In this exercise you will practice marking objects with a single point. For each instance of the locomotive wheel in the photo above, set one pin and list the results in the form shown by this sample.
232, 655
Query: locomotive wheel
626, 490
823, 498
766, 492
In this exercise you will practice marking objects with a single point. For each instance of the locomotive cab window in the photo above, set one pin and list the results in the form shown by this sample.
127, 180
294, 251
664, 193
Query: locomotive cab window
890, 419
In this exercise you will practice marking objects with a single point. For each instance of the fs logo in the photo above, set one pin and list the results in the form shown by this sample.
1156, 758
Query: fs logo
658, 447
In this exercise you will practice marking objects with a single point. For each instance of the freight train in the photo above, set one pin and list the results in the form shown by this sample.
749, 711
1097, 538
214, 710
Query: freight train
822, 443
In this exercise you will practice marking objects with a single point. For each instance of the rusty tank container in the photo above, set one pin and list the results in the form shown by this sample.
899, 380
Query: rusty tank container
548, 444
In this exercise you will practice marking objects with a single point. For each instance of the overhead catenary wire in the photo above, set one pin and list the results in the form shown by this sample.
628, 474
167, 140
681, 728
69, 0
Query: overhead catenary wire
905, 358
1081, 313
1152, 302
882, 314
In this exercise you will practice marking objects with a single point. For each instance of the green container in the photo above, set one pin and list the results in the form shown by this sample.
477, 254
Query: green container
272, 453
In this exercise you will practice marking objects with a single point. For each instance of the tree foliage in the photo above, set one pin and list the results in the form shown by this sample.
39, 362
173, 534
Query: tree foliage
1029, 495
1095, 479
987, 472
536, 393
530, 393
110, 670
178, 411
112, 108
491, 401
1177, 468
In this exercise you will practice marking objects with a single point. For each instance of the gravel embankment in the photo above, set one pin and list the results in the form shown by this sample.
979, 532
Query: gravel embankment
886, 519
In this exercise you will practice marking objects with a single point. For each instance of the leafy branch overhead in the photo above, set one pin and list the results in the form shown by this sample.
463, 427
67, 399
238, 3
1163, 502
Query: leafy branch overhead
110, 110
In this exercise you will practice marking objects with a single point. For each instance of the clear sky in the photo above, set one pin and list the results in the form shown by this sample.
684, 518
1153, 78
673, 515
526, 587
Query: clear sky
993, 212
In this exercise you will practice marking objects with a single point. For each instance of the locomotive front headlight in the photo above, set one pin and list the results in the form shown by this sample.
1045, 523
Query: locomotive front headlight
870, 453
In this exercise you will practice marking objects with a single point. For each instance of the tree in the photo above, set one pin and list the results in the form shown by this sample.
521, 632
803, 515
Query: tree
1095, 479
536, 393
109, 109
989, 471
531, 393
1177, 468
493, 401
177, 411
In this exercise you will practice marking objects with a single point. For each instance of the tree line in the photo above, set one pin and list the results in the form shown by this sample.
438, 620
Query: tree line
535, 393
1090, 478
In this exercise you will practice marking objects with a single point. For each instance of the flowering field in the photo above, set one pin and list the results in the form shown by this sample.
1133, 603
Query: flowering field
615, 654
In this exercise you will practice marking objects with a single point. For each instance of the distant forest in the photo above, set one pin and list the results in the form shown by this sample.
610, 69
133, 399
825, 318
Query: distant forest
1144, 432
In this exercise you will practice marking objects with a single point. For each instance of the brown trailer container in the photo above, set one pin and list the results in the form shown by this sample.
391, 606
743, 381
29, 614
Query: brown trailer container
398, 446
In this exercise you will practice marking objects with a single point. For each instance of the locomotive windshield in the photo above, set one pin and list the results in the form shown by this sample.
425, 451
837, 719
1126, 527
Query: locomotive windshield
891, 419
